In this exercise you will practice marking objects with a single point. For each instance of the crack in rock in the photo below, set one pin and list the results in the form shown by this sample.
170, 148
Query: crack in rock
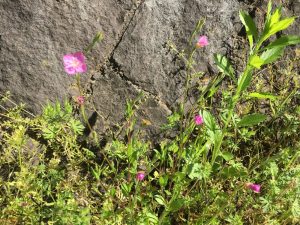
89, 86
111, 62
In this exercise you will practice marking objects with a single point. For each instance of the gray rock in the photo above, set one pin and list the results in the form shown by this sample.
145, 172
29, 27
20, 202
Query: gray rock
34, 36
133, 57
143, 58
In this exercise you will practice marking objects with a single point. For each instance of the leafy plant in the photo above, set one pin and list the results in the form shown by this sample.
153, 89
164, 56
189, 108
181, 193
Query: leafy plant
231, 158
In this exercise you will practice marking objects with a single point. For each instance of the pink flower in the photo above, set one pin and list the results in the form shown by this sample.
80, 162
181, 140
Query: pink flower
198, 120
140, 175
74, 63
202, 41
80, 100
254, 187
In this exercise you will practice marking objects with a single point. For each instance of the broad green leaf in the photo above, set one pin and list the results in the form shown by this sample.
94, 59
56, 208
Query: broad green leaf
244, 80
209, 120
275, 17
234, 170
281, 25
216, 137
179, 176
176, 204
272, 54
160, 199
284, 41
250, 26
223, 64
227, 156
194, 171
262, 95
163, 180
256, 61
252, 119
199, 171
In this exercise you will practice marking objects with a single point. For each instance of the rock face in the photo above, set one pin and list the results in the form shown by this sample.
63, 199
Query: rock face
34, 35
133, 57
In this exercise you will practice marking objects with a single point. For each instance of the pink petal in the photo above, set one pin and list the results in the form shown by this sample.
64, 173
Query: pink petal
82, 68
68, 58
198, 120
254, 187
80, 100
70, 70
140, 175
74, 63
80, 56
202, 41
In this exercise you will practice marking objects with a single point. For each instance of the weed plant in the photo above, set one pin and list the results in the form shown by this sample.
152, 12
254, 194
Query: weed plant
234, 158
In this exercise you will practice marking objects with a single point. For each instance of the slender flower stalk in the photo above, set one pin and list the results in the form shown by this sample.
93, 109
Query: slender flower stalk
74, 64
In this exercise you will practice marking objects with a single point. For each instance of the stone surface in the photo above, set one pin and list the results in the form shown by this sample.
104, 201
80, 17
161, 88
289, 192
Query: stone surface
134, 56
34, 35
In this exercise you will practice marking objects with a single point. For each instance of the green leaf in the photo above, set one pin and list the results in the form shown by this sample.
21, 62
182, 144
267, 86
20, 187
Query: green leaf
163, 180
234, 170
227, 156
51, 131
223, 65
126, 188
152, 218
194, 171
209, 120
176, 204
272, 54
252, 119
284, 41
160, 199
215, 136
256, 61
199, 171
273, 169
244, 80
281, 25
262, 95
275, 17
268, 16
76, 126
269, 10
250, 26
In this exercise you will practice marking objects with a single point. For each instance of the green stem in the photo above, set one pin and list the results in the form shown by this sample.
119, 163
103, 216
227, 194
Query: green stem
82, 108
233, 103
163, 216
183, 123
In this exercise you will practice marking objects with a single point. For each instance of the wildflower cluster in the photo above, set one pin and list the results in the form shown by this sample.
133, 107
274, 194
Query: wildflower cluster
196, 171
